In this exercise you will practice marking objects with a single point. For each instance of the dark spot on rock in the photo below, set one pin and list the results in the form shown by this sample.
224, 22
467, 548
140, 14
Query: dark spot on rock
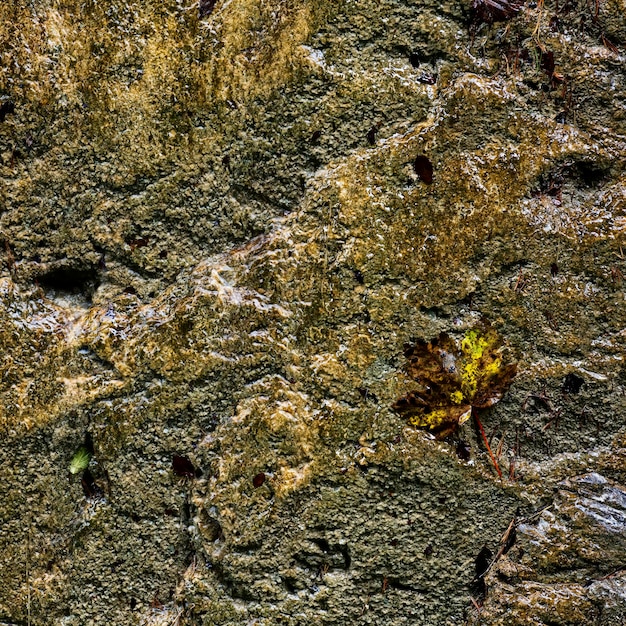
561, 117
554, 23
258, 480
315, 138
345, 553
291, 583
138, 242
6, 108
90, 489
133, 604
371, 134
182, 466
554, 269
88, 443
414, 59
186, 326
423, 168
206, 7
366, 394
321, 543
572, 383
463, 450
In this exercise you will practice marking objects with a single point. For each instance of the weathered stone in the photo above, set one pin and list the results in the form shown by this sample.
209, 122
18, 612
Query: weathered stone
216, 245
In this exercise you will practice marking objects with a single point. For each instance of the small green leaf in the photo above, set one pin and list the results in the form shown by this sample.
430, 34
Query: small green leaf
80, 460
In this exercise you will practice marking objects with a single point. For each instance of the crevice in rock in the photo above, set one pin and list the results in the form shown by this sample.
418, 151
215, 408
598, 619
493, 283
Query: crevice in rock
66, 280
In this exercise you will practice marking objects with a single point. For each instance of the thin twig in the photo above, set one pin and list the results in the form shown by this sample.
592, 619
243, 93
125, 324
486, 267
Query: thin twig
536, 514
484, 436
175, 622
500, 447
512, 469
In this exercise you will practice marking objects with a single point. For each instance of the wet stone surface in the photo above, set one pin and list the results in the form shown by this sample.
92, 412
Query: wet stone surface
226, 229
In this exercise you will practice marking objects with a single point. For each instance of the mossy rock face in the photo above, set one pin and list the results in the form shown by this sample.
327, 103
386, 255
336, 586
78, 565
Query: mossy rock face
219, 236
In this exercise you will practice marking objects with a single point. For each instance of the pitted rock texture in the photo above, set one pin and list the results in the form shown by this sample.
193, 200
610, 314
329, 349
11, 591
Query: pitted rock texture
216, 243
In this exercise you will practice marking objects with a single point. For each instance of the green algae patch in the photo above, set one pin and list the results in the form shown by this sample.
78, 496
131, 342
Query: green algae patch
454, 378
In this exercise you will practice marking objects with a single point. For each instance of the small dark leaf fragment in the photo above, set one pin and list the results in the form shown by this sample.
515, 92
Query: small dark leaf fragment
478, 587
258, 480
371, 134
182, 466
206, 7
483, 561
138, 242
490, 11
423, 168
572, 383
315, 137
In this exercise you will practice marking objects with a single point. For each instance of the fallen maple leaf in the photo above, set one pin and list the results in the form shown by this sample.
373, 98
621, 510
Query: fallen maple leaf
455, 378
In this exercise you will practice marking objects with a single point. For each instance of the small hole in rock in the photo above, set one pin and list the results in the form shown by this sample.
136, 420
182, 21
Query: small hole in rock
66, 280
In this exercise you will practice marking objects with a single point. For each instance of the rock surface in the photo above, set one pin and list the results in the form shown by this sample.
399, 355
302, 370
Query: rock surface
219, 231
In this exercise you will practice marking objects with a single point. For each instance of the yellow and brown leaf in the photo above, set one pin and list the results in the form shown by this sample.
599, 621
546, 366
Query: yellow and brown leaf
453, 378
